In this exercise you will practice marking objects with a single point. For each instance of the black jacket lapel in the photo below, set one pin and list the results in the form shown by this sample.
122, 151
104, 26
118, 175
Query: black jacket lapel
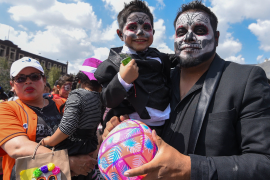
210, 84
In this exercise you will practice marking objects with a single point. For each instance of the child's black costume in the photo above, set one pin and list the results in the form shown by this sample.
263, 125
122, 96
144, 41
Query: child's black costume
150, 89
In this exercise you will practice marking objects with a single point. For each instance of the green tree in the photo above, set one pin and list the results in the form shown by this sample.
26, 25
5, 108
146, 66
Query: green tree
53, 74
4, 74
46, 71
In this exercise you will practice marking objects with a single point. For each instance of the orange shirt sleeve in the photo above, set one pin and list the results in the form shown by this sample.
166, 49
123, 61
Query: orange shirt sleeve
11, 123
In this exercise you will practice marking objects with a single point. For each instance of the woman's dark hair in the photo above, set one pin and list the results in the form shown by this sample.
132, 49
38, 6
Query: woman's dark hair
133, 6
83, 78
49, 86
198, 5
65, 78
3, 95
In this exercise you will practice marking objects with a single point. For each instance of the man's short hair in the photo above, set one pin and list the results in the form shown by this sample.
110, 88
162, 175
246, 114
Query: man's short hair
197, 5
133, 6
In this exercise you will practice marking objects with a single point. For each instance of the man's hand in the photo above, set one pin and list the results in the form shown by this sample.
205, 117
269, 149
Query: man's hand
168, 164
110, 125
81, 164
130, 72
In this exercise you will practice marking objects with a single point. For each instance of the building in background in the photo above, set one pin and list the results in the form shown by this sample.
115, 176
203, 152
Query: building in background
266, 67
12, 52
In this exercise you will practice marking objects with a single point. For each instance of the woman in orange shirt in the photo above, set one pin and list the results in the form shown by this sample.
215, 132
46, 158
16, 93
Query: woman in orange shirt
24, 122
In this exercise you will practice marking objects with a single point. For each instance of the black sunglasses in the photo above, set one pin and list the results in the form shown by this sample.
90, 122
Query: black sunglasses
22, 77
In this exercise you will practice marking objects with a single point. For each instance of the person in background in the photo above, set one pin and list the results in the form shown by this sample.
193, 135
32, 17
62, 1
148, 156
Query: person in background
77, 131
11, 93
3, 95
64, 86
55, 90
29, 119
47, 91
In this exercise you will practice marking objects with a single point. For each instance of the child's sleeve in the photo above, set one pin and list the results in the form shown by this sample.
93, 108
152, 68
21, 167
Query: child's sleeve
71, 117
113, 92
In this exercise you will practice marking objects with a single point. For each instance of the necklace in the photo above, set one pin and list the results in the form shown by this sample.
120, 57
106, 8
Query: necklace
41, 108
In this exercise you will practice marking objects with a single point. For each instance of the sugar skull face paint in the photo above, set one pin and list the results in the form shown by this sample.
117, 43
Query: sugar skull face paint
194, 39
138, 31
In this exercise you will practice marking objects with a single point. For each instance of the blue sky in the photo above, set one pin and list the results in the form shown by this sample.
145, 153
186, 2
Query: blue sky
73, 30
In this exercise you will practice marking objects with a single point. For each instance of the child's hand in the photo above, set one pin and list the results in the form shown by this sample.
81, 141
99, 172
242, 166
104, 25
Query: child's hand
130, 72
45, 141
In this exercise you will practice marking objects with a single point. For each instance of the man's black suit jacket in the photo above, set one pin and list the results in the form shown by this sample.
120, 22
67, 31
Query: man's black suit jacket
231, 124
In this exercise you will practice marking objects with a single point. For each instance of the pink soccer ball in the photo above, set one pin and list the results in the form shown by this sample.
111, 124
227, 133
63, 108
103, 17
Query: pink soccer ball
128, 145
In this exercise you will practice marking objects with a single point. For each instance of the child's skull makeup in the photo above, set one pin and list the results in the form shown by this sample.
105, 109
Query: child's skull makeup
67, 87
138, 31
194, 38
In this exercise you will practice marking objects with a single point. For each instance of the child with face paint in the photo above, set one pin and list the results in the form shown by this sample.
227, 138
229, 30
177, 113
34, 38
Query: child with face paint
64, 86
140, 88
82, 114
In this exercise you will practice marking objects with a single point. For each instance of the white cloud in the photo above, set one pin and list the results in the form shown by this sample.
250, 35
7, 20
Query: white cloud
73, 67
229, 46
160, 36
39, 4
110, 33
162, 47
232, 11
101, 53
67, 31
235, 11
238, 59
261, 30
161, 4
24, 28
78, 15
115, 6
260, 59
172, 37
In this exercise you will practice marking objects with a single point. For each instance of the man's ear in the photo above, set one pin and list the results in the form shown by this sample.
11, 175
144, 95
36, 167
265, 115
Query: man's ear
120, 34
58, 87
154, 31
11, 83
217, 37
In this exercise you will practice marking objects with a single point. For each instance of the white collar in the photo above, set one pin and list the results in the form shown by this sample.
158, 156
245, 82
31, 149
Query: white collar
127, 50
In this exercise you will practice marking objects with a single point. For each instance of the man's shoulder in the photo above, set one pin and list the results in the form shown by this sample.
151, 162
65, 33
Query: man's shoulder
238, 68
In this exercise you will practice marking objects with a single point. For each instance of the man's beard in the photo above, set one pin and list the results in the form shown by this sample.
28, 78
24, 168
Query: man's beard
191, 61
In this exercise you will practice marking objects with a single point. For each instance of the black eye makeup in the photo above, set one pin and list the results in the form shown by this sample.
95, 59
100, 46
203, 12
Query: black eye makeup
200, 30
147, 27
132, 26
181, 31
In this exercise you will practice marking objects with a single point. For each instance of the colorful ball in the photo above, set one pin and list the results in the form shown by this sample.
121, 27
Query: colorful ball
128, 145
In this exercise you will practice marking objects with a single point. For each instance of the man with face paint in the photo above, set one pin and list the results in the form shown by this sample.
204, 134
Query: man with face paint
219, 126
140, 88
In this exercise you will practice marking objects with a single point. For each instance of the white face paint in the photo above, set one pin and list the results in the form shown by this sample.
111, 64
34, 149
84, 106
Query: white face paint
194, 38
138, 31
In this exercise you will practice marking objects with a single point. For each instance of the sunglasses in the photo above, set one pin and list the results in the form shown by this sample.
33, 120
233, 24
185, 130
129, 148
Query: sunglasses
22, 77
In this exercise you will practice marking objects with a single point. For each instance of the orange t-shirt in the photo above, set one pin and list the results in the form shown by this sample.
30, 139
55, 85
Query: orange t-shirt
16, 119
